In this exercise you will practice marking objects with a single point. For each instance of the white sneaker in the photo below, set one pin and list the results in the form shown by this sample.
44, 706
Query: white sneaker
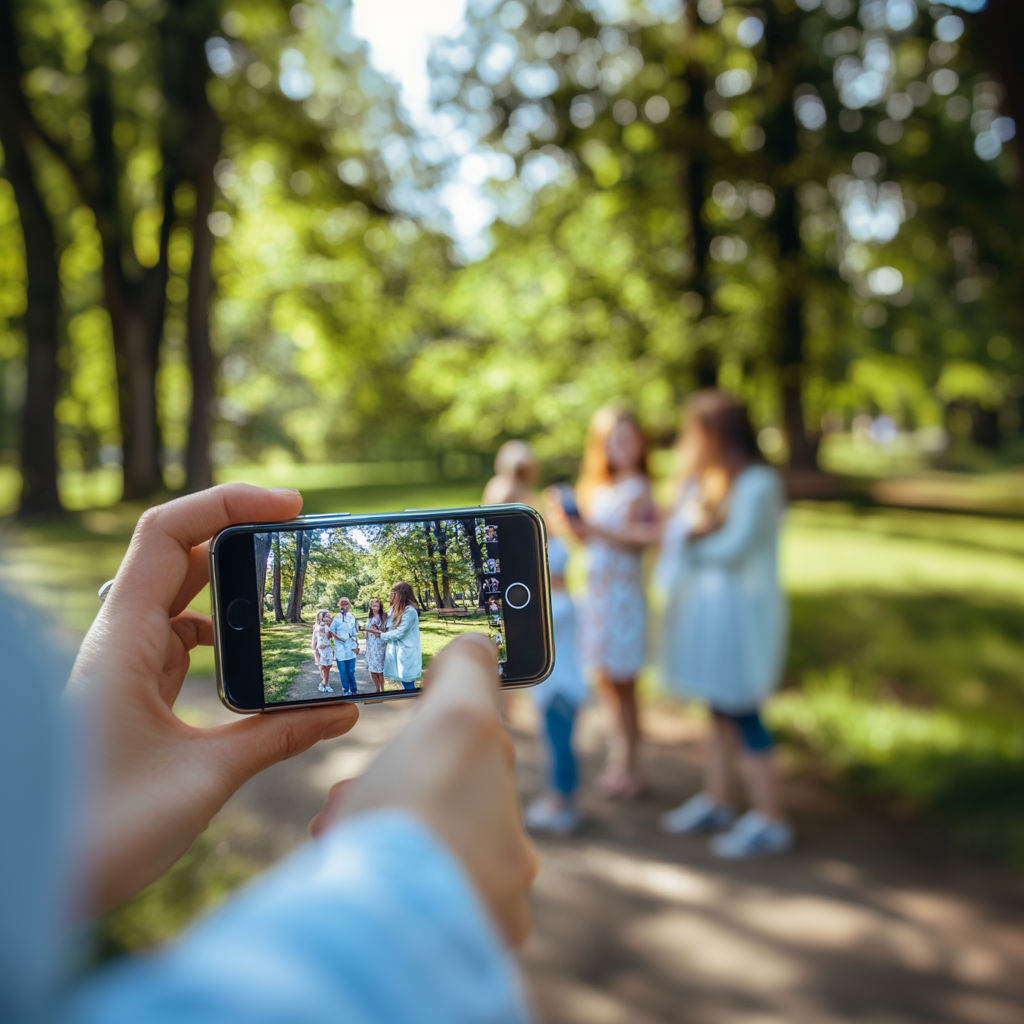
544, 816
698, 814
320, 687
328, 688
753, 835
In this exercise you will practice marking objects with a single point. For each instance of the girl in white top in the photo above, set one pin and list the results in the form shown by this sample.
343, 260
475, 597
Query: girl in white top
614, 494
726, 623
323, 653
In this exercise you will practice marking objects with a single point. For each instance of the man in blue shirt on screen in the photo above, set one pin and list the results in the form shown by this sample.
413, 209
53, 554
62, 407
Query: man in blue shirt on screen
346, 645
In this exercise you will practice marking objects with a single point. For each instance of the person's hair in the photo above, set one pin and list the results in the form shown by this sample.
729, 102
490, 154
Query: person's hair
726, 420
404, 598
320, 615
594, 468
370, 606
515, 460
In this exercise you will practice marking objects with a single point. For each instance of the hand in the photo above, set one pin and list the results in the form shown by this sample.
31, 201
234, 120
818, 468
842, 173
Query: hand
159, 781
452, 768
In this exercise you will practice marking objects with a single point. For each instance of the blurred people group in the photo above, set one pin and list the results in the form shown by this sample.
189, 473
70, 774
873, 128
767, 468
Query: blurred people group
720, 639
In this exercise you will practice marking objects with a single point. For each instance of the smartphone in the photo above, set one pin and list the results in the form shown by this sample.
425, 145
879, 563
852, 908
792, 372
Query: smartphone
568, 500
298, 606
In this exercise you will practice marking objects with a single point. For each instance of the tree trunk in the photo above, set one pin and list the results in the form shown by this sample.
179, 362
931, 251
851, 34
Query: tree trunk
302, 542
428, 533
135, 296
276, 589
261, 542
39, 494
191, 147
447, 601
1003, 25
478, 560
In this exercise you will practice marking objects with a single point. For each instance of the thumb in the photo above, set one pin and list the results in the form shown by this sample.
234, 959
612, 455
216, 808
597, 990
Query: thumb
247, 747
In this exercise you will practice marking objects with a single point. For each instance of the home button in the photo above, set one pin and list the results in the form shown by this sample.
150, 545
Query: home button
517, 595
238, 613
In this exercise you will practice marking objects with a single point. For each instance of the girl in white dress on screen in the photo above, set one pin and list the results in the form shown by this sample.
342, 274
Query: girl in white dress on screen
375, 647
323, 653
613, 493
726, 622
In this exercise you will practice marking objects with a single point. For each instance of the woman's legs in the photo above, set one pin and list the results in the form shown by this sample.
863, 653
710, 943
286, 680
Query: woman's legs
325, 671
757, 760
620, 776
378, 681
717, 754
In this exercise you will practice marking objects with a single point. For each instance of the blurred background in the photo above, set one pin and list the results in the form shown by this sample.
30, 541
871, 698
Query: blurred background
355, 247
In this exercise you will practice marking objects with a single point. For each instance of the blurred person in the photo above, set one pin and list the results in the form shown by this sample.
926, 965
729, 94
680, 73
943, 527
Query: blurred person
558, 699
424, 855
345, 631
726, 623
403, 659
375, 647
516, 471
614, 496
323, 653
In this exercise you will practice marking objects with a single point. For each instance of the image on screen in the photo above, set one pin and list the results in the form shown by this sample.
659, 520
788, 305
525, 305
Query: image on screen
357, 610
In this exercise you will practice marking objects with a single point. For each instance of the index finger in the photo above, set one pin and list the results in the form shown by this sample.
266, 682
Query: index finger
158, 558
465, 672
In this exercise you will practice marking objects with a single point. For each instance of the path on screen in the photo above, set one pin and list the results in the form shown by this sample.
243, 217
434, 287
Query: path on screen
308, 678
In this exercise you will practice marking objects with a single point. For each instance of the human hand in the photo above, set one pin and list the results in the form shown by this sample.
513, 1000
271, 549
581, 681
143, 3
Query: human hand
452, 768
159, 781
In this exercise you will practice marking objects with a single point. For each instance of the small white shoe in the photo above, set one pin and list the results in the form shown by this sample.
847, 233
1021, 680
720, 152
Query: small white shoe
753, 835
543, 815
320, 687
329, 688
697, 815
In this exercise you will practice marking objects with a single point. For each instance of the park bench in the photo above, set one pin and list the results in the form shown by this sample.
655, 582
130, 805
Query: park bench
452, 611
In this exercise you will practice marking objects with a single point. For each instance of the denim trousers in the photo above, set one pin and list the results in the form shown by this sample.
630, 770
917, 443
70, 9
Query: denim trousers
347, 672
558, 720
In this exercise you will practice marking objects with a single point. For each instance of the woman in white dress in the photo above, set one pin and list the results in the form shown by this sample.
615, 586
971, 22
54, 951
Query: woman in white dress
403, 659
323, 652
614, 494
375, 647
726, 625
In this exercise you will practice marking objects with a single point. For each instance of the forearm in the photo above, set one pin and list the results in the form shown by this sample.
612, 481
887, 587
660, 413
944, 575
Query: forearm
378, 882
632, 535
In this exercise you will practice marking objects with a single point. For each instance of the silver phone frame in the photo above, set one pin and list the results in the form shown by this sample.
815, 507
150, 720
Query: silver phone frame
340, 518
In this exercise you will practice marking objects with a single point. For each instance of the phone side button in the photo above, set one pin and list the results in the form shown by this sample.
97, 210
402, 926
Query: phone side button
373, 701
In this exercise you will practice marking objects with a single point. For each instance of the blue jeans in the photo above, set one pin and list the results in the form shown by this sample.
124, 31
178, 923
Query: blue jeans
411, 685
347, 671
558, 720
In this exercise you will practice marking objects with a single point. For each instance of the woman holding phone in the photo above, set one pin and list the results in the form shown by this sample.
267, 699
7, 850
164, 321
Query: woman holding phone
614, 494
403, 659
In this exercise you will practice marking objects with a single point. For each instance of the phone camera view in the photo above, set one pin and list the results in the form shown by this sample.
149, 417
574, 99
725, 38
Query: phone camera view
357, 610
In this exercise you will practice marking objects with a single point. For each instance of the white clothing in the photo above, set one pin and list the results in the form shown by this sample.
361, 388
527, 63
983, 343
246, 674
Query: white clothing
566, 679
615, 623
727, 623
345, 627
404, 657
282, 952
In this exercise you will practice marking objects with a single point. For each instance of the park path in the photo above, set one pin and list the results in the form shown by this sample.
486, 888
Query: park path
869, 921
304, 686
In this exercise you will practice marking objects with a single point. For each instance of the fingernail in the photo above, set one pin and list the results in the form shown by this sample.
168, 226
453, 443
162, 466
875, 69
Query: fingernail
283, 490
338, 728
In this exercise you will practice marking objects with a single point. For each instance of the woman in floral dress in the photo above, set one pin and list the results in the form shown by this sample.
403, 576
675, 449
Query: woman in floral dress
375, 647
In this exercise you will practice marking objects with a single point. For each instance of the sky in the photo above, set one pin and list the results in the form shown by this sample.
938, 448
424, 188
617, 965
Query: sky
399, 33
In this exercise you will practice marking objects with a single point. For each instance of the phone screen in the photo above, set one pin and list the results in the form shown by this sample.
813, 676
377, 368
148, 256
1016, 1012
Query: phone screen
355, 610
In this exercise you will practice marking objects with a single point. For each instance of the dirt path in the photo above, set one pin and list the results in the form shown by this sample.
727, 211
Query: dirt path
304, 687
869, 921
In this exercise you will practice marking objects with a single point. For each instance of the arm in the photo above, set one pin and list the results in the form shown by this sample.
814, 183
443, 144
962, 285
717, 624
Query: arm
407, 623
755, 499
429, 920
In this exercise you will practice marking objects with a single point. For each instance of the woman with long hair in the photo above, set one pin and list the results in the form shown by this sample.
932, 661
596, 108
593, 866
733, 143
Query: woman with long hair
375, 647
726, 624
614, 496
403, 659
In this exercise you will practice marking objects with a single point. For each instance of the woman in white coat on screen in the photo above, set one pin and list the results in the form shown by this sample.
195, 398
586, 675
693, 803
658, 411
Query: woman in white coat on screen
403, 659
726, 623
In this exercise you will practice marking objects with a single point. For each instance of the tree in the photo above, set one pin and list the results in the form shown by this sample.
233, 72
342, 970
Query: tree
476, 555
303, 540
261, 544
276, 589
447, 601
38, 435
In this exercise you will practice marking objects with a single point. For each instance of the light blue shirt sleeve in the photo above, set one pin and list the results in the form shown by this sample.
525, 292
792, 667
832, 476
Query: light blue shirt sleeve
409, 621
374, 922
754, 512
